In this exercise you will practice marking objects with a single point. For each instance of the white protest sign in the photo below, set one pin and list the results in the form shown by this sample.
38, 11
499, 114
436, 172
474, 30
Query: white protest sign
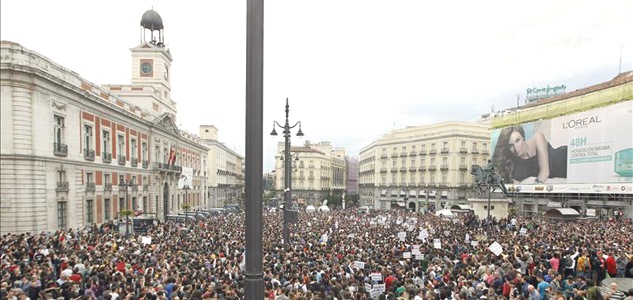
523, 231
380, 287
146, 240
359, 264
424, 234
474, 243
467, 239
376, 276
406, 254
496, 248
437, 244
419, 256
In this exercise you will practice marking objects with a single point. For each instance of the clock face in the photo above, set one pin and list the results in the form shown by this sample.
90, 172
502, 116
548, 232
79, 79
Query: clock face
146, 68
166, 73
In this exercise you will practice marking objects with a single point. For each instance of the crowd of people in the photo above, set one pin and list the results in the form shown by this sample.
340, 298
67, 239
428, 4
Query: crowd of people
341, 254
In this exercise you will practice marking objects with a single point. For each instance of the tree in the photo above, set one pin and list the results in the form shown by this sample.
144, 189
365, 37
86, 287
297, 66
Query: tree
352, 200
334, 200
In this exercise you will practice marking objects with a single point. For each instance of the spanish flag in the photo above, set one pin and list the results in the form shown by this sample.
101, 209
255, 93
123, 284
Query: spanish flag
172, 156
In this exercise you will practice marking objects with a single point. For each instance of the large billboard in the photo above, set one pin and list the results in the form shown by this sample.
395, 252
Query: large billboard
585, 152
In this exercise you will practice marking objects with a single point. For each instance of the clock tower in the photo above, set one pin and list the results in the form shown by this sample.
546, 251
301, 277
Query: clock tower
151, 59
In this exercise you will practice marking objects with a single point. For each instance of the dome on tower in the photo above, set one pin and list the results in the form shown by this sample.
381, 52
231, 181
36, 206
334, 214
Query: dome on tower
152, 20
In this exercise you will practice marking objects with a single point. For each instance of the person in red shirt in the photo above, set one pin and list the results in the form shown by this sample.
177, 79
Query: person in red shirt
611, 265
389, 281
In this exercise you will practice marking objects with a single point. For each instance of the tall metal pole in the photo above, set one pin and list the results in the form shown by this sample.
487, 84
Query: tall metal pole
254, 277
489, 188
287, 178
127, 216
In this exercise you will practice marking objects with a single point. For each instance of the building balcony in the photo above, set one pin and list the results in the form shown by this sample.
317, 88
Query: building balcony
485, 151
422, 152
60, 149
89, 154
383, 170
463, 167
106, 157
422, 168
474, 151
403, 169
384, 156
463, 150
403, 154
394, 170
443, 185
310, 166
432, 152
432, 168
90, 186
394, 155
311, 177
121, 160
158, 166
413, 153
432, 184
134, 162
62, 186
463, 184
412, 169
444, 167
107, 186
444, 150
145, 164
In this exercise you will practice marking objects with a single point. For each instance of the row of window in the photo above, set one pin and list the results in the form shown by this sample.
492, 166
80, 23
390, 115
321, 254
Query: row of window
413, 162
90, 179
106, 151
463, 145
62, 210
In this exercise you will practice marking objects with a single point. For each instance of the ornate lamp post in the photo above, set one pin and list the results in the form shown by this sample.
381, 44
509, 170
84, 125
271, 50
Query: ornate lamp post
126, 212
287, 171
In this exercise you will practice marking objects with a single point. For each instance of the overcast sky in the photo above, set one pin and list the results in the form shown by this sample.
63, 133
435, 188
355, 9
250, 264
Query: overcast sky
352, 70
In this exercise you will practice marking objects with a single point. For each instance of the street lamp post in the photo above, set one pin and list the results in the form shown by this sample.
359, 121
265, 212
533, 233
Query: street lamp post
287, 168
125, 185
187, 205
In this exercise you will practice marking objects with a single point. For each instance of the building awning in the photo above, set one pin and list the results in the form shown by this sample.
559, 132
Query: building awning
461, 208
562, 213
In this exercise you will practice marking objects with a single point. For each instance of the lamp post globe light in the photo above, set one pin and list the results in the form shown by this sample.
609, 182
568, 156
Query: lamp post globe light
287, 171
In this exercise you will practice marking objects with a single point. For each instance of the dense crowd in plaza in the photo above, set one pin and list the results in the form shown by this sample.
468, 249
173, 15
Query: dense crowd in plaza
342, 254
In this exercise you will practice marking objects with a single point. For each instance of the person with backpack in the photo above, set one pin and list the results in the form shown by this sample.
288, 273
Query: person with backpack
570, 264
583, 266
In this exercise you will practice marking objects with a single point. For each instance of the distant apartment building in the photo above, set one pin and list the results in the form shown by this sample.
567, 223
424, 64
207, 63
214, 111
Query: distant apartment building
74, 153
318, 170
422, 166
225, 181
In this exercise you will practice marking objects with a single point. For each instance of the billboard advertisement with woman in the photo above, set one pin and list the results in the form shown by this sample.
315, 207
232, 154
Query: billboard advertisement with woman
586, 152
